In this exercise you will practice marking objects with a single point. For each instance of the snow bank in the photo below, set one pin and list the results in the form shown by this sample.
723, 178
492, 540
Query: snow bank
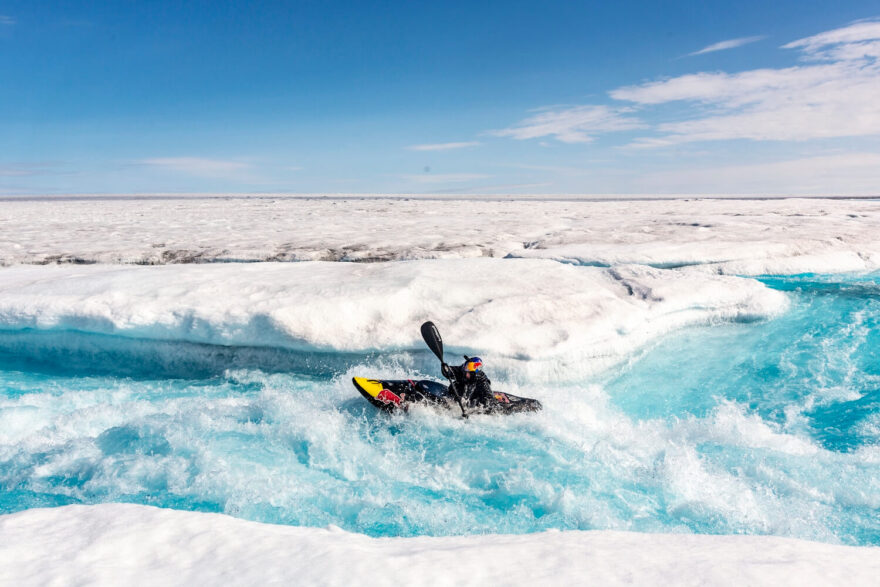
548, 318
118, 544
732, 236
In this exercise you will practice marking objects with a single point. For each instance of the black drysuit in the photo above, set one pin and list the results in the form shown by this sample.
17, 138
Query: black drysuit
475, 392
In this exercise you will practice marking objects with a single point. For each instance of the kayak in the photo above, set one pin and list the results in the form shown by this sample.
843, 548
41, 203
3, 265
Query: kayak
390, 395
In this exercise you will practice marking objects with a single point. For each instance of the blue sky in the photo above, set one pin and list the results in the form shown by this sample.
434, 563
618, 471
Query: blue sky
456, 97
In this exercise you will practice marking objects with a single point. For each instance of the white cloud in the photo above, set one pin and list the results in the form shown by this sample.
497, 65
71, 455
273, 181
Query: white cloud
512, 187
444, 146
837, 174
30, 168
559, 170
437, 178
15, 171
199, 166
6, 20
837, 97
572, 124
835, 94
729, 89
729, 44
853, 34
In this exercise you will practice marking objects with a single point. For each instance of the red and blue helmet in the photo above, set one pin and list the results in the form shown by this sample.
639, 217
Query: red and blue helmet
473, 365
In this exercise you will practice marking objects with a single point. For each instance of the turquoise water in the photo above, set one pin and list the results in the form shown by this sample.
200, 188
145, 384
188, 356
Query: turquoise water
761, 428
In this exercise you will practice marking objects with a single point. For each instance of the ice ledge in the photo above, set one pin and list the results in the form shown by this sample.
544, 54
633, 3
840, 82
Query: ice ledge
123, 544
534, 317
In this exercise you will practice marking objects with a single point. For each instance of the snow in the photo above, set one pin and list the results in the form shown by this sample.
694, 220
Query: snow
117, 544
541, 288
731, 236
533, 316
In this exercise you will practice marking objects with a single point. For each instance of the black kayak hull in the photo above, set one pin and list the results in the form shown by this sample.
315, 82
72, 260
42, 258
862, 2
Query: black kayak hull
393, 394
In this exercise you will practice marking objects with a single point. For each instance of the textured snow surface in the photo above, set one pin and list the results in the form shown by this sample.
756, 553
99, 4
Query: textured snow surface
121, 544
644, 269
532, 314
731, 236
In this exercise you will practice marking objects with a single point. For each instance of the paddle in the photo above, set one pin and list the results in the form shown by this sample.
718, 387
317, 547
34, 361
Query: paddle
433, 340
435, 343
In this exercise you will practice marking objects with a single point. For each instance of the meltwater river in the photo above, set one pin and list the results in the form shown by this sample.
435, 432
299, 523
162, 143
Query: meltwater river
769, 427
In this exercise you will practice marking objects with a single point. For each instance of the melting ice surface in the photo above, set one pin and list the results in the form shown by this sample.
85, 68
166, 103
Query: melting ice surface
764, 428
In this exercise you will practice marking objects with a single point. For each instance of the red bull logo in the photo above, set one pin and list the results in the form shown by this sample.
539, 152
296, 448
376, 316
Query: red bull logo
387, 396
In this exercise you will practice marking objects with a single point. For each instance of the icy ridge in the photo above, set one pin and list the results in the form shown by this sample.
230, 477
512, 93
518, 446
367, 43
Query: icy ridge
537, 317
726, 236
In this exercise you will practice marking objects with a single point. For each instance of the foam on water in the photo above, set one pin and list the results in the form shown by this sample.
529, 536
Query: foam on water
765, 427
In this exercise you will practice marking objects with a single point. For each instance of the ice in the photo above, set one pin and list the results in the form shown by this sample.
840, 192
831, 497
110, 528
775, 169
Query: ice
544, 290
118, 544
733, 236
533, 317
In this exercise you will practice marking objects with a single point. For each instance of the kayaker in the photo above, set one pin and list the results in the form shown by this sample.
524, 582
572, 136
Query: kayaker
469, 383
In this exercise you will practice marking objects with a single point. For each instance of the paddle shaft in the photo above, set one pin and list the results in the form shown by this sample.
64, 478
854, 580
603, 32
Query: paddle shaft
432, 338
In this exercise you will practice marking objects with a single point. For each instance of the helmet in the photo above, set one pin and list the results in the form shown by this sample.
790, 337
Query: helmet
473, 365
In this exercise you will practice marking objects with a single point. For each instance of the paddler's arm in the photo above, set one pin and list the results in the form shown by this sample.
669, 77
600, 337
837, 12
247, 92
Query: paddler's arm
451, 374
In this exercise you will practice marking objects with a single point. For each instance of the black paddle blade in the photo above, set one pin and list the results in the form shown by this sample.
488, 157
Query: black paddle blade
432, 339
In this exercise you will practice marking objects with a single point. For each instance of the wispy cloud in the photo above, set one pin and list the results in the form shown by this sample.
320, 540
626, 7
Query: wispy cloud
444, 146
729, 44
554, 169
835, 96
514, 187
840, 43
572, 124
198, 166
31, 168
439, 178
6, 20
15, 171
